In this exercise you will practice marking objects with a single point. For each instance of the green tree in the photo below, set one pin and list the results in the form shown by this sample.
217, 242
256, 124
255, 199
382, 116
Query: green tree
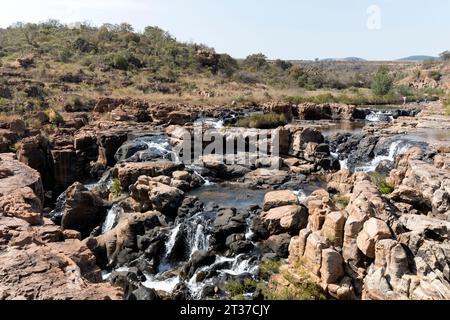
255, 62
382, 82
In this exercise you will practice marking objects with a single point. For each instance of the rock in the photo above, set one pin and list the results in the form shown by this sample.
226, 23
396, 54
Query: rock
301, 138
144, 294
228, 221
199, 259
278, 244
18, 126
23, 204
83, 210
264, 176
333, 228
152, 195
341, 181
40, 273
313, 252
373, 231
277, 199
280, 108
15, 175
332, 267
128, 173
423, 224
290, 219
107, 247
34, 152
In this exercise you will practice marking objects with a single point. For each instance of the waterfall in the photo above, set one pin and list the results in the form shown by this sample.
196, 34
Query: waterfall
111, 218
379, 116
196, 170
396, 148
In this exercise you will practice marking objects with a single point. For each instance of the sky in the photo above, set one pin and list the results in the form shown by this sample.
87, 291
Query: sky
285, 29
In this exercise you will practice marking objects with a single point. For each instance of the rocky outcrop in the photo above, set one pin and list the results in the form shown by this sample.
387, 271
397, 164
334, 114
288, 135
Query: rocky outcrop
152, 195
83, 210
335, 111
369, 250
128, 173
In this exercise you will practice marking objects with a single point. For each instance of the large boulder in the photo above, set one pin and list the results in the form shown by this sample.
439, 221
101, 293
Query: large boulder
16, 175
277, 199
152, 195
83, 210
374, 230
287, 219
128, 173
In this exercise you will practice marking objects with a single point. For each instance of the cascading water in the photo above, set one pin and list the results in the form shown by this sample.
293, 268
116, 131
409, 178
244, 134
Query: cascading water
379, 116
111, 218
396, 148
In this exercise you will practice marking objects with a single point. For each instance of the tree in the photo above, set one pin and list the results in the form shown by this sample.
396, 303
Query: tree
255, 62
227, 65
382, 83
445, 55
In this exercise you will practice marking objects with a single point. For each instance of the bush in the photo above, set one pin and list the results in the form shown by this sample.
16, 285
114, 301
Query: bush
120, 62
116, 187
238, 288
405, 91
54, 117
341, 201
383, 186
435, 75
382, 82
268, 268
263, 121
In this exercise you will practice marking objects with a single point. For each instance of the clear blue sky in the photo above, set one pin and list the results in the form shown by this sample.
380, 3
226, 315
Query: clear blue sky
287, 29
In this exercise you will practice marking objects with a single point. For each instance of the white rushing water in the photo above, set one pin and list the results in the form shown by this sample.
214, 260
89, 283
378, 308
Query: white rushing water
379, 116
396, 148
196, 170
111, 218
166, 285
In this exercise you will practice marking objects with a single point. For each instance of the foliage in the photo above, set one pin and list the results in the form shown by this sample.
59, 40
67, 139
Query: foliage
263, 121
341, 201
54, 117
383, 186
116, 187
382, 82
435, 75
268, 268
238, 288
405, 91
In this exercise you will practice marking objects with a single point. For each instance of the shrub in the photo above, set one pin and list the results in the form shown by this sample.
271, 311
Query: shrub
263, 121
382, 82
116, 187
405, 91
238, 288
54, 117
383, 186
341, 201
120, 62
269, 267
435, 75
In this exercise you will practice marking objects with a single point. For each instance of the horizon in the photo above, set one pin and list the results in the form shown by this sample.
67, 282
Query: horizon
364, 29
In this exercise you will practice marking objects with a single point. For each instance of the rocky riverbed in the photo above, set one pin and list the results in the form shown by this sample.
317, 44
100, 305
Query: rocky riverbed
103, 209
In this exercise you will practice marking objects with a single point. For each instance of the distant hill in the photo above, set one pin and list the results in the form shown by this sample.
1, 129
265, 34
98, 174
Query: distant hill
418, 58
349, 59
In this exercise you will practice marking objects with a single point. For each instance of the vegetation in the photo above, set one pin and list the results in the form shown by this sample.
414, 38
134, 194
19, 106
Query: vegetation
238, 288
268, 268
54, 117
301, 287
116, 187
382, 82
341, 201
263, 121
383, 186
